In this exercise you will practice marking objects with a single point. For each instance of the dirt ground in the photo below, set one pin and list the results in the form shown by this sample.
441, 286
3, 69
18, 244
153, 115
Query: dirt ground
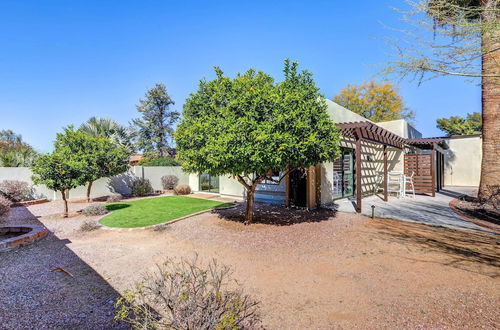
341, 271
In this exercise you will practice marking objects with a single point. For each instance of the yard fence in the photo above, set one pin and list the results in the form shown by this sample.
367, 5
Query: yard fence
103, 186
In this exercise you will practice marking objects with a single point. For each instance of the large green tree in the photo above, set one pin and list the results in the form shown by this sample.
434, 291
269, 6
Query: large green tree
374, 101
156, 125
248, 126
456, 125
59, 172
458, 38
101, 157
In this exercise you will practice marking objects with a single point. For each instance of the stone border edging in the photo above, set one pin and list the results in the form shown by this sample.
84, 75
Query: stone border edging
453, 207
32, 202
164, 223
36, 233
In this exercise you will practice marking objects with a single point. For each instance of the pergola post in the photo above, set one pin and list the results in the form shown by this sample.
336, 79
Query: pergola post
386, 184
433, 169
358, 173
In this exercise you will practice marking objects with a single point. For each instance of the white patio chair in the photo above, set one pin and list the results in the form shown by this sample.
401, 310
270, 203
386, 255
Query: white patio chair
395, 184
409, 183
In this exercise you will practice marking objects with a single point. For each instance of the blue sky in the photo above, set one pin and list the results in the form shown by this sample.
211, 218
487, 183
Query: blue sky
62, 62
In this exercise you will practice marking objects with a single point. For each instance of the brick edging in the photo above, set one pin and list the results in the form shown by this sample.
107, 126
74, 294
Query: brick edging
466, 217
36, 233
32, 202
164, 223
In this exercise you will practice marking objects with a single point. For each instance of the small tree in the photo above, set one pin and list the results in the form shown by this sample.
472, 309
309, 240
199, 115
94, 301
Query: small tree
248, 126
456, 125
374, 101
155, 127
59, 172
101, 156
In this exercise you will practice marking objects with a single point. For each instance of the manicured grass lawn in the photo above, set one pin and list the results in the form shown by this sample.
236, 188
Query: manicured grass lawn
152, 211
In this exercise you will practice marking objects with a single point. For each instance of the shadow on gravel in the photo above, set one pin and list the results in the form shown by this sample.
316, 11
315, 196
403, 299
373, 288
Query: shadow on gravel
277, 215
461, 248
36, 294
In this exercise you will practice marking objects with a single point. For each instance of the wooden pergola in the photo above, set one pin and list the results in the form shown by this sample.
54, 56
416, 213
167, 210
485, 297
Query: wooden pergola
367, 131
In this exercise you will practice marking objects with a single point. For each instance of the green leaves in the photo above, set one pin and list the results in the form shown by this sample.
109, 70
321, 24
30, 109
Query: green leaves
456, 125
250, 124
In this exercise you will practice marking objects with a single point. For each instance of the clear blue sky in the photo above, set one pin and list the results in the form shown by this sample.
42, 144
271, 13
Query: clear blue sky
62, 62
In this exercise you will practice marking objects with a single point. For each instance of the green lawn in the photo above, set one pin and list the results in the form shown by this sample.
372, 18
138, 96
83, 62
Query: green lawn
152, 211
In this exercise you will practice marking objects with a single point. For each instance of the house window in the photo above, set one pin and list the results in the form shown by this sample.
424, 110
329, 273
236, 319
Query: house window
209, 183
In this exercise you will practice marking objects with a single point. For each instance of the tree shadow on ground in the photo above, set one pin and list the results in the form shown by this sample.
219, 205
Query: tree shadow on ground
36, 296
462, 249
114, 207
277, 215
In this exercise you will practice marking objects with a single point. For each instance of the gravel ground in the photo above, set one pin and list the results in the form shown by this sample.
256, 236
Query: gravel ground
339, 271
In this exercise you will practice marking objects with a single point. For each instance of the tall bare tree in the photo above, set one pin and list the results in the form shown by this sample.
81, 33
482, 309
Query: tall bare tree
458, 38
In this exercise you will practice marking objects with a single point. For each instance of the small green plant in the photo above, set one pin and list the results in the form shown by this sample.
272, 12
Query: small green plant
140, 187
94, 209
188, 295
4, 205
169, 181
182, 189
159, 161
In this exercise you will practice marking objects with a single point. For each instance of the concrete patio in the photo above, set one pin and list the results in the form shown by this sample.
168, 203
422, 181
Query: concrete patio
423, 208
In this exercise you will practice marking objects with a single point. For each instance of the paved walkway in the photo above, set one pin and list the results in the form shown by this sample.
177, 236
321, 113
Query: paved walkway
422, 208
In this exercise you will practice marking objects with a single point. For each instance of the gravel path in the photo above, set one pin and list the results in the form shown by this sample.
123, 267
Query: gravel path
341, 271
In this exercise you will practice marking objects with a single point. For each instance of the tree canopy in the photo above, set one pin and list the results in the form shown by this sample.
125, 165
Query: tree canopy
456, 125
374, 101
249, 125
108, 128
156, 125
100, 156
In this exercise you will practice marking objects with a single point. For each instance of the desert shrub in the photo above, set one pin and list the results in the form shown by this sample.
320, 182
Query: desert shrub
159, 161
182, 189
114, 198
89, 226
169, 181
94, 209
185, 295
140, 187
4, 205
16, 191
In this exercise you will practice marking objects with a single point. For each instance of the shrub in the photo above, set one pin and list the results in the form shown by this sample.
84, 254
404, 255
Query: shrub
95, 209
140, 187
182, 189
169, 181
16, 191
186, 295
89, 226
114, 198
4, 205
160, 161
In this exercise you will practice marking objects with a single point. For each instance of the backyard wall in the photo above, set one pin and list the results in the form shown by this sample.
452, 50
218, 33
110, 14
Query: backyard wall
103, 186
462, 162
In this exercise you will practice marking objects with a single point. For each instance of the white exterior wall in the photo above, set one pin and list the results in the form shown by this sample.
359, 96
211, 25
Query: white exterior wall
462, 162
101, 187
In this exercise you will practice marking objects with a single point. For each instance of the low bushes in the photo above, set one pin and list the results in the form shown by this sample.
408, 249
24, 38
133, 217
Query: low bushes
16, 191
4, 205
114, 198
140, 187
186, 295
169, 181
95, 209
160, 161
89, 226
182, 189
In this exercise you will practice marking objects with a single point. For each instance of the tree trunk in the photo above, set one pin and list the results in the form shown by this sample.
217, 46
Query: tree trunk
250, 204
63, 194
89, 188
490, 166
